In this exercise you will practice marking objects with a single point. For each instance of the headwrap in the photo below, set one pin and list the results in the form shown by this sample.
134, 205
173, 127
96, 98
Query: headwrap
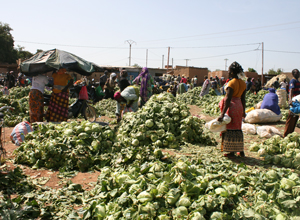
117, 95
61, 71
112, 76
144, 76
271, 90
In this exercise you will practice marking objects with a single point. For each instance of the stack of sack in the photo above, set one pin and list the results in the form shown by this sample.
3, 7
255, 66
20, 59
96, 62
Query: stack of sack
282, 98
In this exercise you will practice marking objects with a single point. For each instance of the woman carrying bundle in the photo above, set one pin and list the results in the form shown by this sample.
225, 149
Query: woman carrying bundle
233, 104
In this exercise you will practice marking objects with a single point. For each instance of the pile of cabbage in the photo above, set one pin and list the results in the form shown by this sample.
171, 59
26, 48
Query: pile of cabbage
71, 146
252, 99
280, 151
106, 107
18, 99
162, 122
206, 186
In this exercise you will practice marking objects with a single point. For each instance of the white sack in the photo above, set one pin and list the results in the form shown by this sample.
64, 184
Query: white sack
262, 116
248, 128
216, 126
267, 131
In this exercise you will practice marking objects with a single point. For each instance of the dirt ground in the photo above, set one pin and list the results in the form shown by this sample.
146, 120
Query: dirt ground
51, 178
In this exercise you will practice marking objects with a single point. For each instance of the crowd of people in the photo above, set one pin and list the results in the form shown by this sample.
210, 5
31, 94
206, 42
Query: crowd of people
133, 93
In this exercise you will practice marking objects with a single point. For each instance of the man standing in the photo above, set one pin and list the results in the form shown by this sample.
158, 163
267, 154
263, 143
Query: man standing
195, 81
103, 79
276, 84
10, 79
178, 78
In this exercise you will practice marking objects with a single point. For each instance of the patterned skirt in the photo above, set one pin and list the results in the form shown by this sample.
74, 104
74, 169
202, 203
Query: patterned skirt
36, 106
232, 138
58, 107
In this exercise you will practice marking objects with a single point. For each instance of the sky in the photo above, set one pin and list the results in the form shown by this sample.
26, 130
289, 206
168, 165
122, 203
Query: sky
200, 33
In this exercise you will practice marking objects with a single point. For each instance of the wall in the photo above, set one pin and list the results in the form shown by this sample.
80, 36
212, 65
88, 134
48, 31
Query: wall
191, 72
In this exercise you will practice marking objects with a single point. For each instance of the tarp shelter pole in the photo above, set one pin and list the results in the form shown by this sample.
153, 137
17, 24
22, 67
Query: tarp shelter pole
262, 63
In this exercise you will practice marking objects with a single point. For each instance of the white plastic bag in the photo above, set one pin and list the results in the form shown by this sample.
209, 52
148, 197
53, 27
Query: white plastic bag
216, 126
297, 97
267, 131
262, 116
248, 128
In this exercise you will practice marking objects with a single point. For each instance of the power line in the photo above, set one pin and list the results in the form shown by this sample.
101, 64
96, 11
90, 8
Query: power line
222, 55
224, 32
282, 51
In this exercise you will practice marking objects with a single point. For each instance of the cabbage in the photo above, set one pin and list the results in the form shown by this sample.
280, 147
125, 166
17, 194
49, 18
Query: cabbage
120, 179
276, 159
180, 212
100, 211
287, 184
135, 142
216, 216
272, 175
88, 130
68, 132
96, 145
162, 188
261, 152
222, 192
149, 123
153, 137
184, 200
197, 216
254, 147
286, 162
96, 128
144, 197
172, 196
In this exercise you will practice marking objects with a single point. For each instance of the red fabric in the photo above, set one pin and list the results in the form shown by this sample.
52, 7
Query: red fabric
183, 80
83, 94
235, 112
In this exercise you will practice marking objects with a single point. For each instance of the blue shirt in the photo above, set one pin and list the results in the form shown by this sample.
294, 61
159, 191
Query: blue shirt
295, 84
270, 102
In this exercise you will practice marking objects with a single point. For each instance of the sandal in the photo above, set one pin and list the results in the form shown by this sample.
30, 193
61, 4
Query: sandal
230, 155
241, 154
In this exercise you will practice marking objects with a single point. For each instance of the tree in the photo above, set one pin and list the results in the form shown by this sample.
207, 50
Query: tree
23, 54
273, 72
136, 65
7, 52
252, 70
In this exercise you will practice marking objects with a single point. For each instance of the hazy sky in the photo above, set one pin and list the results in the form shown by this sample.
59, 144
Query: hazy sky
199, 33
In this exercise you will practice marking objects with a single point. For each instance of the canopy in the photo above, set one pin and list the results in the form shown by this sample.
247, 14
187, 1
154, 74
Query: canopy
55, 59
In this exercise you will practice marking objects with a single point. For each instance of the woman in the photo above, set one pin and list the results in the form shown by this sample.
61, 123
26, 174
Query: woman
110, 86
270, 102
253, 85
233, 104
123, 80
205, 87
36, 98
59, 101
294, 88
146, 81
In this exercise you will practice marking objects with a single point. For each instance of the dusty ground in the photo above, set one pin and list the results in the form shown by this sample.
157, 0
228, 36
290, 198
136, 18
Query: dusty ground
51, 178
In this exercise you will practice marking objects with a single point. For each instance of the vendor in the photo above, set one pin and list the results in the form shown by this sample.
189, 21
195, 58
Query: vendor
129, 96
270, 102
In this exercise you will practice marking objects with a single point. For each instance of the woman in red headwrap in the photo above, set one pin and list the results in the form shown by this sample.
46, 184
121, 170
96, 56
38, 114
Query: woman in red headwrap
59, 102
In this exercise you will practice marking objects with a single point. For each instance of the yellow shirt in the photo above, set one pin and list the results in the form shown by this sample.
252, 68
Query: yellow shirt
60, 80
238, 86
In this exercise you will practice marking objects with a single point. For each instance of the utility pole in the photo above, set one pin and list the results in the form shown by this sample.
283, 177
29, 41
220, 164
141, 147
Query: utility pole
146, 57
172, 65
130, 42
186, 62
225, 64
262, 63
168, 59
